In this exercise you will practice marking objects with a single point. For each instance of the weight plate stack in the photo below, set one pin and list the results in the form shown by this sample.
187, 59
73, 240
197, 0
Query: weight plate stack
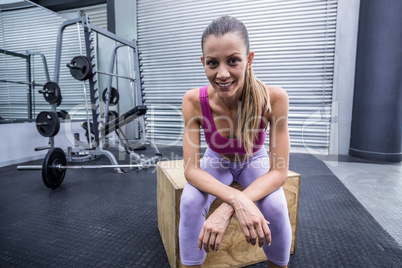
51, 175
80, 68
114, 96
51, 92
48, 124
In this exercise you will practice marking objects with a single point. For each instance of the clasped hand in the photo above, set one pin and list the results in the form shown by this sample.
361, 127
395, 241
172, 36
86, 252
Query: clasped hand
251, 220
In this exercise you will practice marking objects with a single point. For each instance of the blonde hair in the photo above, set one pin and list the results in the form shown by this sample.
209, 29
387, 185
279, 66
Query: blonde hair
255, 101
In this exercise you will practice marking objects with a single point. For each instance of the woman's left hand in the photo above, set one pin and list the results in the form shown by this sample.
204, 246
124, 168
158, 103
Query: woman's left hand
251, 220
215, 227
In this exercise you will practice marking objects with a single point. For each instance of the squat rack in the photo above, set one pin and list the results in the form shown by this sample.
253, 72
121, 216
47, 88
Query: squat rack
94, 91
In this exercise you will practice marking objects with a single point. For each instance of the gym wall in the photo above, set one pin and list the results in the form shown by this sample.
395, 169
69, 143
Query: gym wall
294, 45
307, 47
35, 29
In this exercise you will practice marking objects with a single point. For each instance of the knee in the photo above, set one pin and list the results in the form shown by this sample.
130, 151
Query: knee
192, 203
274, 206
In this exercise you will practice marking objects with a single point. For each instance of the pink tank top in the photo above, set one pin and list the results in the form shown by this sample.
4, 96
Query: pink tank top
218, 143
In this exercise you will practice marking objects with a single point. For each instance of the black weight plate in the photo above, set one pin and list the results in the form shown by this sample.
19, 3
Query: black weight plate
48, 124
51, 175
63, 114
52, 92
113, 115
80, 68
59, 101
114, 96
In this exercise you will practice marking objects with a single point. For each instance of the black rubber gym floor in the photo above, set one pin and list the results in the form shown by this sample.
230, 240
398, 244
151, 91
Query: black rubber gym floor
98, 218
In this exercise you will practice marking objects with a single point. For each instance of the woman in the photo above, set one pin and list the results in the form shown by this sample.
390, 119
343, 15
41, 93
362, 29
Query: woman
234, 112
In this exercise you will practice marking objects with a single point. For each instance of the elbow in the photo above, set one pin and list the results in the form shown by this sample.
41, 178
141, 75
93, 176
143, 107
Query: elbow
283, 181
281, 176
188, 173
284, 176
186, 169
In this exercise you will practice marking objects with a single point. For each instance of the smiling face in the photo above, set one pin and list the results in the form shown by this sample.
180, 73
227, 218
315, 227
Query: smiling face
225, 62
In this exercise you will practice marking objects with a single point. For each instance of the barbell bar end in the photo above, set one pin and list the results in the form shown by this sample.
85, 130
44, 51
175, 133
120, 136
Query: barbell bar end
38, 167
69, 65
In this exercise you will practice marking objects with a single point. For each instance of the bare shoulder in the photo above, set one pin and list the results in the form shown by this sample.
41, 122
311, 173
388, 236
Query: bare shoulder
279, 101
192, 96
191, 102
277, 95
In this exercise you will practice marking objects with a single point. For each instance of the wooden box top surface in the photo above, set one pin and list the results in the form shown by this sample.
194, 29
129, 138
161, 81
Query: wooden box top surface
174, 171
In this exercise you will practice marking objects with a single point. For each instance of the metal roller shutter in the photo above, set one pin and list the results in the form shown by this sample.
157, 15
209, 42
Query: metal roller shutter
97, 15
35, 29
27, 29
293, 41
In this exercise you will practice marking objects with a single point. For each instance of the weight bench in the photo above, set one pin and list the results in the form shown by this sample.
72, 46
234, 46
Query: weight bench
124, 119
117, 122
121, 121
234, 251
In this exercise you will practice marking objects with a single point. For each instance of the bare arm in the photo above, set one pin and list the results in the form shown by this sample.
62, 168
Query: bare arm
243, 205
251, 219
278, 147
279, 151
215, 227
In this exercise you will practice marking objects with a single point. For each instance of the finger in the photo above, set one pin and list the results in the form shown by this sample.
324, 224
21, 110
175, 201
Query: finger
200, 238
218, 242
260, 234
253, 235
267, 233
205, 241
246, 233
212, 241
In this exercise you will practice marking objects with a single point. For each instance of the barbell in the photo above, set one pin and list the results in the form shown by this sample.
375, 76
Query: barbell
54, 167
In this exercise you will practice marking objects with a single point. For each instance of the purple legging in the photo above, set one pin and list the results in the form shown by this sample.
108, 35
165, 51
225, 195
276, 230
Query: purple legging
195, 205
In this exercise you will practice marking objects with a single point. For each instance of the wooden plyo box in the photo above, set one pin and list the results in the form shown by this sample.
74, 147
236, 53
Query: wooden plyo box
234, 251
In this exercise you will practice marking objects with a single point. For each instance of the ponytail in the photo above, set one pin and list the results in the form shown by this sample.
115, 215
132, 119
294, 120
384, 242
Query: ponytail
255, 103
